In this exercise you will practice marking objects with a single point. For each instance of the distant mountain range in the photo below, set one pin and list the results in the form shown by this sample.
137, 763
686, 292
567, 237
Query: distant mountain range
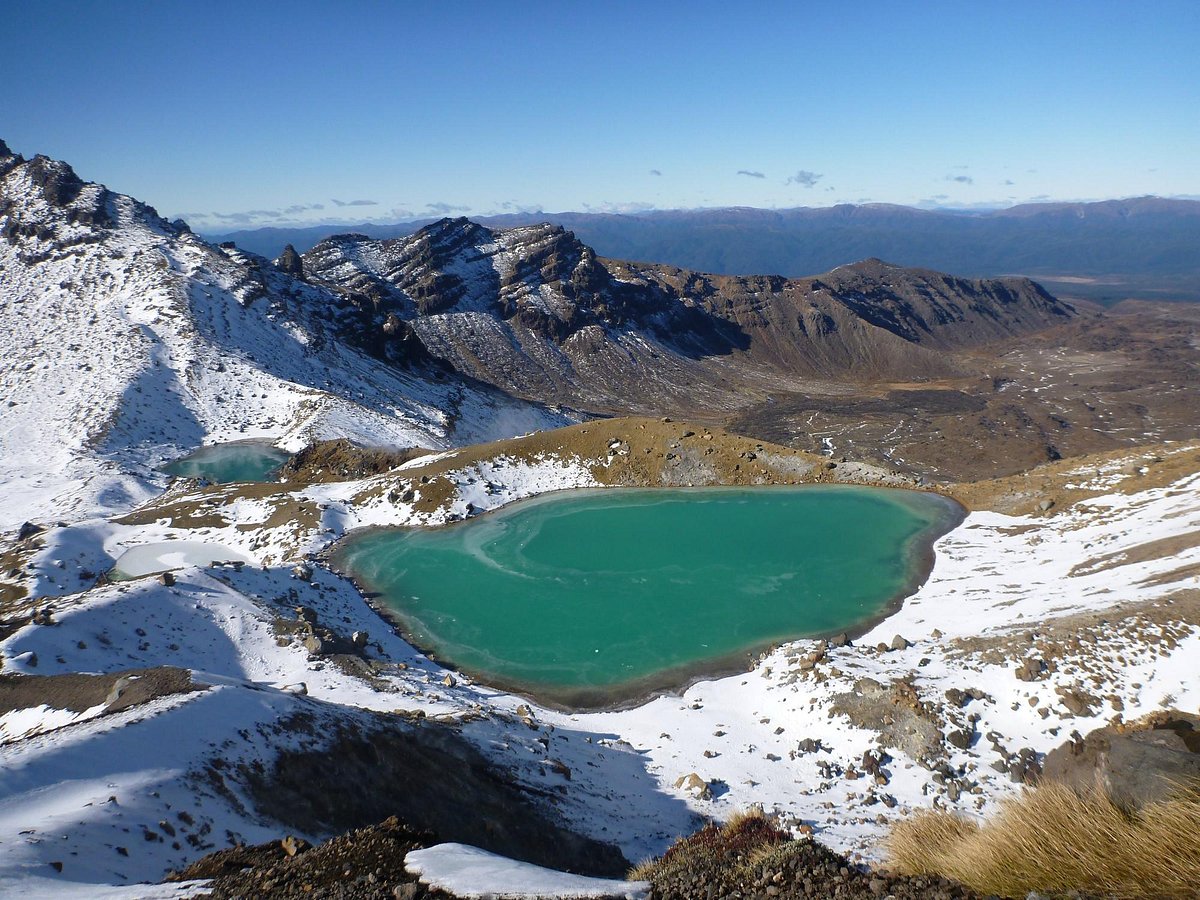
1106, 251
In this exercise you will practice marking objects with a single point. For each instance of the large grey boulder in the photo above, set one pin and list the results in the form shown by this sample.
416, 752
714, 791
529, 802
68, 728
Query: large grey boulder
1134, 765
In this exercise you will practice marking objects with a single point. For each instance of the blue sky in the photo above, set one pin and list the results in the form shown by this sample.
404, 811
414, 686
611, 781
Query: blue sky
244, 114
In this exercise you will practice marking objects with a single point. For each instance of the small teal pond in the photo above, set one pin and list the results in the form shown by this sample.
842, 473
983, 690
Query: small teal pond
235, 461
584, 598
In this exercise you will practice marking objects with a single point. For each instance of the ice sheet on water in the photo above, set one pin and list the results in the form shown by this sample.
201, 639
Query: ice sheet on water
149, 559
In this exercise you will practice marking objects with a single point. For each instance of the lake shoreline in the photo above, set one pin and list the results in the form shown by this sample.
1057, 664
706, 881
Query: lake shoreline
919, 553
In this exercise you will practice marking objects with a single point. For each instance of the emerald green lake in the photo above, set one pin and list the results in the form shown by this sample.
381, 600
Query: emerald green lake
585, 597
235, 461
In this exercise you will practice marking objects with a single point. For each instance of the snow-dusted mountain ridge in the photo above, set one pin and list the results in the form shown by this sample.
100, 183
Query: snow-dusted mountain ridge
535, 312
127, 340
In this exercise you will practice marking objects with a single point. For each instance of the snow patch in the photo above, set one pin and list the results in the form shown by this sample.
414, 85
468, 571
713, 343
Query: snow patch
470, 872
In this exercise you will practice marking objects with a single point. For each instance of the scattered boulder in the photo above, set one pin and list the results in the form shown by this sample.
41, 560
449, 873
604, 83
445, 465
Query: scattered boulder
809, 661
1023, 767
1078, 701
900, 643
291, 844
960, 698
694, 784
873, 761
28, 530
1031, 669
959, 737
314, 645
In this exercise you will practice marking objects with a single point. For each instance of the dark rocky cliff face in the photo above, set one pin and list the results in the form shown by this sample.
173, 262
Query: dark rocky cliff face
939, 310
55, 184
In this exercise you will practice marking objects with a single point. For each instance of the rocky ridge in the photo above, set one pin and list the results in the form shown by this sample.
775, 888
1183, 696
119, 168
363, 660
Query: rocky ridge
534, 311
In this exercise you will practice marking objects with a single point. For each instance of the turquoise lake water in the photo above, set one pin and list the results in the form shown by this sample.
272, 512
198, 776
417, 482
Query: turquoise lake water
237, 461
582, 597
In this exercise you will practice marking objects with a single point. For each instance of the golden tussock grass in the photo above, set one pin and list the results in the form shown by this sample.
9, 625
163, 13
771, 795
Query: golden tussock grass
1052, 840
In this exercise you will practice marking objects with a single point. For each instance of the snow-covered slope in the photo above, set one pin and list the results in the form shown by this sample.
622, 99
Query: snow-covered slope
126, 340
840, 740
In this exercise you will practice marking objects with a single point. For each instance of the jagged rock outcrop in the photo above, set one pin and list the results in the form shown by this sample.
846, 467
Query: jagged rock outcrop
289, 261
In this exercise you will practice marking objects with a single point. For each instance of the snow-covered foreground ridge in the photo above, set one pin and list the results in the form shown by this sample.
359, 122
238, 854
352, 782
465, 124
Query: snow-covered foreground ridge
127, 341
1029, 627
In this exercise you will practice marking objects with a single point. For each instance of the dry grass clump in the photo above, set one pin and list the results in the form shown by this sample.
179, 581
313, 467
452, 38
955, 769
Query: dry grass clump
742, 841
1052, 840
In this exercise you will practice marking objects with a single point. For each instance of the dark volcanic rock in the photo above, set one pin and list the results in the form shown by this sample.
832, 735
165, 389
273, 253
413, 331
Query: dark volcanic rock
289, 261
1135, 766
58, 181
116, 690
74, 202
28, 530
367, 864
752, 859
934, 309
